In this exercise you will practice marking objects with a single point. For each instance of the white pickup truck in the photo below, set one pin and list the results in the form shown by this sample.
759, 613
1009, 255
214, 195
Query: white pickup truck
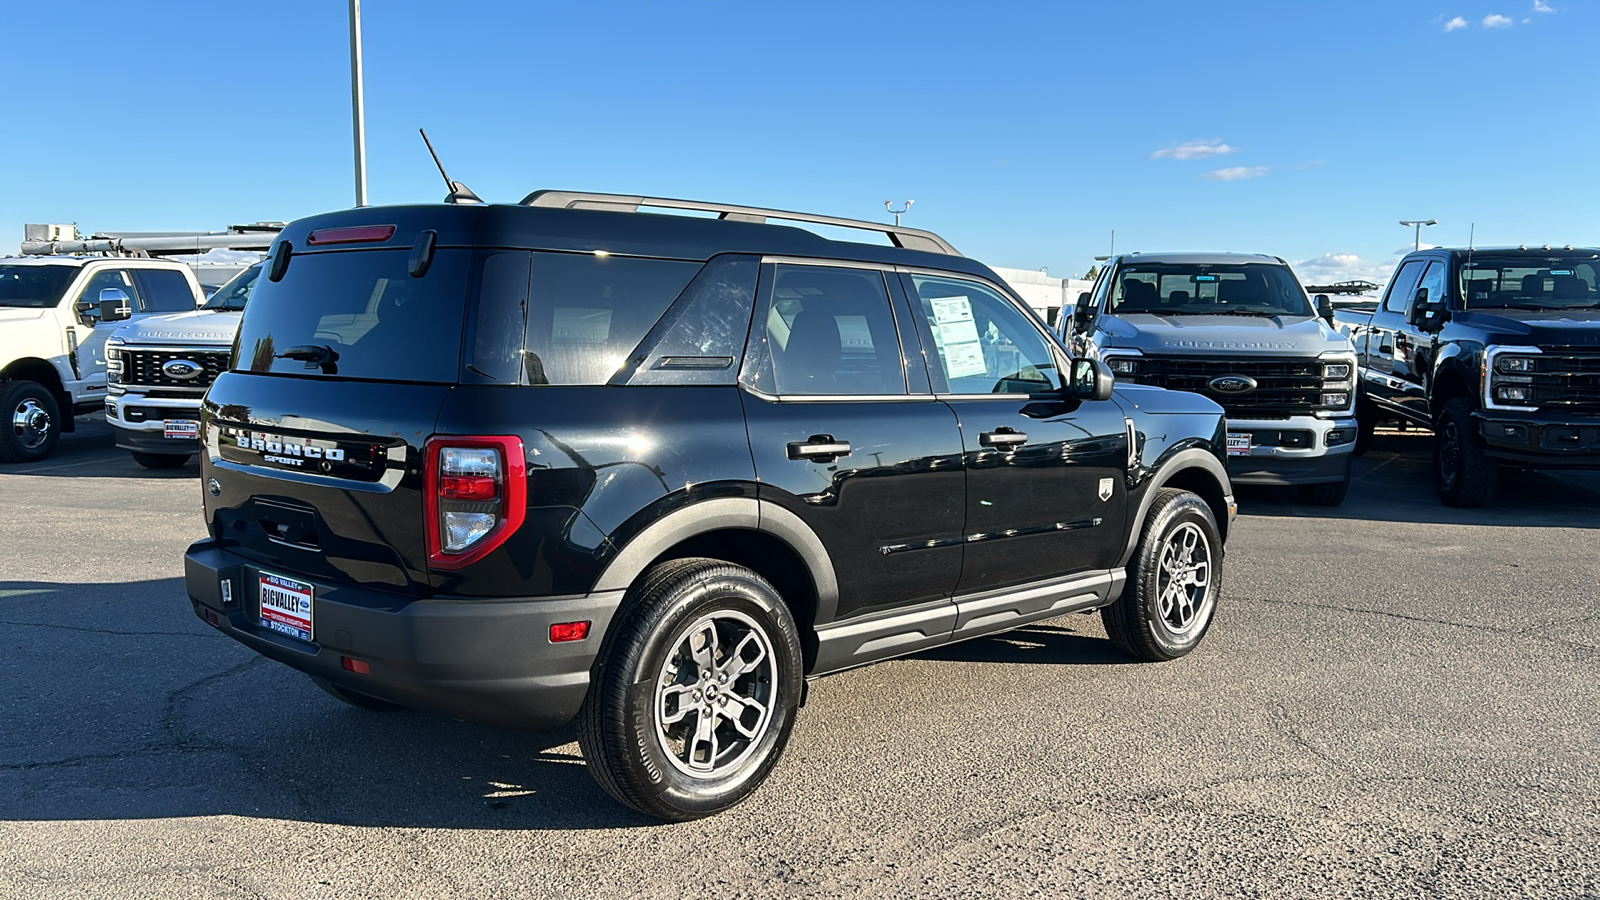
56, 313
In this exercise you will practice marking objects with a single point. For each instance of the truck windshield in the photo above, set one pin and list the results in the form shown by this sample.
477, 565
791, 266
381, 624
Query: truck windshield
1193, 289
232, 296
34, 287
1558, 281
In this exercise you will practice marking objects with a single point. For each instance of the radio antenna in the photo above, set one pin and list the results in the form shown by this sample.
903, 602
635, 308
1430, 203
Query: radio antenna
459, 193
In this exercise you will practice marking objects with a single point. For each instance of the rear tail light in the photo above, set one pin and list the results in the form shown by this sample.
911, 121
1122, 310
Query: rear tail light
476, 496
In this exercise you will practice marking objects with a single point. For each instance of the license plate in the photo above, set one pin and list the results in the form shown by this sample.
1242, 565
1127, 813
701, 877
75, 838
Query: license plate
182, 428
1238, 443
286, 606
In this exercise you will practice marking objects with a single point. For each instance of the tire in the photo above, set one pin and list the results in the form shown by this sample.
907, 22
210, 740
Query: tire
1462, 473
1178, 531
355, 698
1366, 423
30, 421
160, 460
1330, 493
640, 727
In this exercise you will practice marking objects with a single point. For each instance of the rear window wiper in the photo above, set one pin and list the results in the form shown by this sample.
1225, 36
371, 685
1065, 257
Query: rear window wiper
319, 356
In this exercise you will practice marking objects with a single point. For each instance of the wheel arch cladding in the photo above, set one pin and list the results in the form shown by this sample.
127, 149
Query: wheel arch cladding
31, 368
1451, 383
1194, 470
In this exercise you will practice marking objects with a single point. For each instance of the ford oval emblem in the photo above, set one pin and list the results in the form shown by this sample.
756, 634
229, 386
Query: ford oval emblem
181, 369
1232, 384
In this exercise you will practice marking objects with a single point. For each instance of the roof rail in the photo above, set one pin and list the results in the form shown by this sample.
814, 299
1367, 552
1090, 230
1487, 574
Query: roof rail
907, 238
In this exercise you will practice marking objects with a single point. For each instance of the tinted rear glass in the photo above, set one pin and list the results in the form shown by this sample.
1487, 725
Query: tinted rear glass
358, 314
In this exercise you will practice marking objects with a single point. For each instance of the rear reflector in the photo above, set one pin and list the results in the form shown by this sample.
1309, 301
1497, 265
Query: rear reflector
354, 234
561, 632
355, 665
467, 487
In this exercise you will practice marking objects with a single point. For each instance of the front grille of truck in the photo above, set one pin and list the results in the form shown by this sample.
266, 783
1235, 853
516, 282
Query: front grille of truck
1566, 380
143, 368
1284, 387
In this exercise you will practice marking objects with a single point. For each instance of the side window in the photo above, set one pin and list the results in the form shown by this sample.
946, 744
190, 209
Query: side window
1433, 280
164, 290
701, 338
985, 344
109, 278
827, 331
1403, 287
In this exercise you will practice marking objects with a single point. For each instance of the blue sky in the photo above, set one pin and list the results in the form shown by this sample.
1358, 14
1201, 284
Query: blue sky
1025, 132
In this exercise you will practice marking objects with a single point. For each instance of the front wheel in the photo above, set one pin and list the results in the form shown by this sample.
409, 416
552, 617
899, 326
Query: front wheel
1173, 581
1463, 474
32, 421
160, 460
694, 692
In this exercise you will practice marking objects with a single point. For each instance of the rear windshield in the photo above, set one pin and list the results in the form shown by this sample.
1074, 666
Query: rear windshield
1554, 282
358, 314
1173, 289
34, 287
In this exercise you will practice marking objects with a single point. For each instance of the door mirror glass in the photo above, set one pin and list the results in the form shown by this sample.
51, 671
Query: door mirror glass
114, 305
1325, 307
1091, 380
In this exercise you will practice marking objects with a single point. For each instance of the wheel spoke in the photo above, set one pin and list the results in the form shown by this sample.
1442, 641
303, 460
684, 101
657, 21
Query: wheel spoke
738, 664
686, 703
701, 748
741, 708
703, 647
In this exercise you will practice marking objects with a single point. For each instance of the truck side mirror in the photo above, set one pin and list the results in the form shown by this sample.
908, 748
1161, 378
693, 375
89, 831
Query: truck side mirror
114, 305
1083, 313
1325, 308
1091, 380
1426, 312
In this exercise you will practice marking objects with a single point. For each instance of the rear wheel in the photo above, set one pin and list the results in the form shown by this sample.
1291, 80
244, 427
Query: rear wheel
31, 424
355, 698
1173, 581
160, 460
1462, 473
694, 692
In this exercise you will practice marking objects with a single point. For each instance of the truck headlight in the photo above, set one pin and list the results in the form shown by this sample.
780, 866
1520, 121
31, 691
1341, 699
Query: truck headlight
1513, 393
1122, 365
114, 361
1336, 371
1514, 364
1338, 400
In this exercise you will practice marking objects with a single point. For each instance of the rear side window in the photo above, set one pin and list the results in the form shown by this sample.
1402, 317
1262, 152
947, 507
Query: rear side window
358, 314
701, 338
587, 312
164, 290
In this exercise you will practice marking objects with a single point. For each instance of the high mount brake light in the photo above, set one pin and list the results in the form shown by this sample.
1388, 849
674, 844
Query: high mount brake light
352, 234
475, 496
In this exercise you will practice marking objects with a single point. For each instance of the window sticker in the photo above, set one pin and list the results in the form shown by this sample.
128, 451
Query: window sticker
957, 336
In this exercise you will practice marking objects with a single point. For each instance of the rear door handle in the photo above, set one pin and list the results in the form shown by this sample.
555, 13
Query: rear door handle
1003, 437
819, 448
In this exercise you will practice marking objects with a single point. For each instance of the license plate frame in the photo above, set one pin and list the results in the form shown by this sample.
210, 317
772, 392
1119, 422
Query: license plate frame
180, 429
286, 605
1239, 443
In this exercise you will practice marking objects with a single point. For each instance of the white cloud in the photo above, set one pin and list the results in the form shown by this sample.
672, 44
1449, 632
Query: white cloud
1236, 173
1331, 268
1194, 150
1542, 7
1455, 23
1497, 21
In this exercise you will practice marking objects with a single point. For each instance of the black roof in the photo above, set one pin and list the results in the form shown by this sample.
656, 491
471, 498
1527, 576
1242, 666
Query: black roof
1532, 252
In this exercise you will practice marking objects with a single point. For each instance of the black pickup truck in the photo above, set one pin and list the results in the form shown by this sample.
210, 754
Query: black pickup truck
1496, 350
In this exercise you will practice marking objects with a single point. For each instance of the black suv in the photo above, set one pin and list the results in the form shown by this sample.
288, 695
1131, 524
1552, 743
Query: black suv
520, 464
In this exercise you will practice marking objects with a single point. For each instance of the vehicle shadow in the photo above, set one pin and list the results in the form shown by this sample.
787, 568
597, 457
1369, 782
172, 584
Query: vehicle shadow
120, 703
1393, 482
92, 451
1057, 642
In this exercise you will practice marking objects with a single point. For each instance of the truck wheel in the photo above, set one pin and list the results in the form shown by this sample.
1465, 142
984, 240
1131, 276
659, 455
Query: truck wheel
1173, 581
1366, 423
1462, 473
355, 698
694, 691
32, 423
160, 460
1330, 493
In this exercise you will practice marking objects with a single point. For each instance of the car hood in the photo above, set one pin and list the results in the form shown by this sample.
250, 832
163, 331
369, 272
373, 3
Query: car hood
1221, 335
19, 314
1162, 402
1551, 327
197, 327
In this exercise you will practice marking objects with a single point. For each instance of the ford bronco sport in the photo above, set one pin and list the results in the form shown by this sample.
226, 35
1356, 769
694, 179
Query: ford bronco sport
522, 464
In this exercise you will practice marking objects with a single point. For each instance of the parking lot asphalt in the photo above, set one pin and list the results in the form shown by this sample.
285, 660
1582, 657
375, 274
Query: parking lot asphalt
1398, 699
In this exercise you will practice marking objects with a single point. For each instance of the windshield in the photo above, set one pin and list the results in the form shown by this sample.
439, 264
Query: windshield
1194, 289
34, 287
1558, 281
236, 293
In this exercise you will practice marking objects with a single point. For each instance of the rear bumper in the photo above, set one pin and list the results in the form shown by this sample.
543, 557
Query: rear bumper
482, 660
1302, 450
1541, 440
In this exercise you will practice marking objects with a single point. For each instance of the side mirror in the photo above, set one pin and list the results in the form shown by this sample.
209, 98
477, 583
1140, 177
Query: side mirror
1325, 308
88, 312
1083, 313
1091, 380
1426, 312
114, 305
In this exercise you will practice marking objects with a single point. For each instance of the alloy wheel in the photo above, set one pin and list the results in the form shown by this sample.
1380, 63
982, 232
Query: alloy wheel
1184, 579
714, 693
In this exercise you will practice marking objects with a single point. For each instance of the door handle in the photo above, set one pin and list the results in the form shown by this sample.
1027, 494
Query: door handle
1008, 438
819, 448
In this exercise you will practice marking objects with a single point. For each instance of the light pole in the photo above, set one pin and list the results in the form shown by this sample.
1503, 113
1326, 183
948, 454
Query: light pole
357, 107
1418, 223
889, 205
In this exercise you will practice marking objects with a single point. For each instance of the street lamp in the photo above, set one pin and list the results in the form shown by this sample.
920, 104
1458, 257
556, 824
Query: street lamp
1418, 223
889, 205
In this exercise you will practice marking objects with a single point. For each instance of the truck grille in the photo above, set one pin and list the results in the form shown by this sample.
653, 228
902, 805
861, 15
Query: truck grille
1284, 387
1567, 380
143, 368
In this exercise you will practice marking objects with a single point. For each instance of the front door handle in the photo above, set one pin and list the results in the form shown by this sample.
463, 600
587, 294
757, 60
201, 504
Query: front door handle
819, 448
1008, 438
